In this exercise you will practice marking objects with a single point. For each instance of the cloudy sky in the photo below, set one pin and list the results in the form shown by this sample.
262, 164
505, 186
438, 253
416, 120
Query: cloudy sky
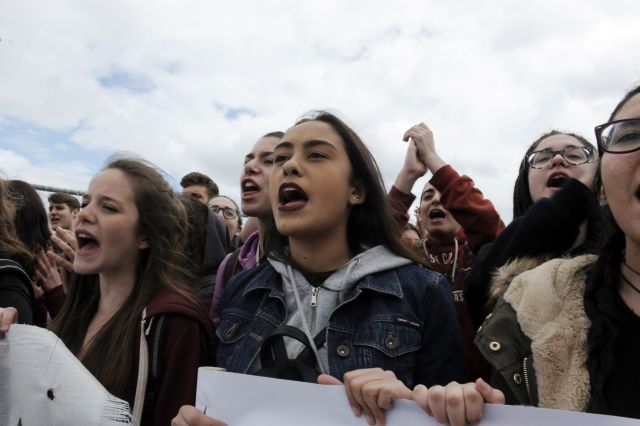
190, 85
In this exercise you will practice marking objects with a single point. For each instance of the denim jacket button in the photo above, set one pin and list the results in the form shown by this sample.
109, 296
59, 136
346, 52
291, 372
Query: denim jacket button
231, 331
343, 351
391, 341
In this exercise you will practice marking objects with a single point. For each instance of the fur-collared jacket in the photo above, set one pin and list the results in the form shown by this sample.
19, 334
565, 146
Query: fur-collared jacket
536, 337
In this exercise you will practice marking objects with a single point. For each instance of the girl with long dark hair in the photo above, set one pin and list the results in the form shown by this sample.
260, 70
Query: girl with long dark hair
337, 268
132, 282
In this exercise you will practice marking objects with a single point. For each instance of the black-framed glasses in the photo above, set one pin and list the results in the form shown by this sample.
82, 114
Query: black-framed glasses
227, 212
619, 136
575, 155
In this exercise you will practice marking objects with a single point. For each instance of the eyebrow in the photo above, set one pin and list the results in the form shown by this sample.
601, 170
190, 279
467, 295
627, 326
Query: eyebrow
307, 144
430, 190
262, 154
87, 198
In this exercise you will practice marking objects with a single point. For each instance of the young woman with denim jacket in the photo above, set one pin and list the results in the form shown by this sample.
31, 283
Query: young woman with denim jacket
337, 262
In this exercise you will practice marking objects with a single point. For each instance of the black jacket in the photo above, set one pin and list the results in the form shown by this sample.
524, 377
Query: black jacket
548, 229
16, 290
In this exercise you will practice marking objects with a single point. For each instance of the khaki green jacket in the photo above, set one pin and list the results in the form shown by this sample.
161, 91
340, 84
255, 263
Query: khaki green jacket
536, 337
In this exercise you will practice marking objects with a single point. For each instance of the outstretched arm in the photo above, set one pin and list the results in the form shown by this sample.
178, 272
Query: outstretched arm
477, 215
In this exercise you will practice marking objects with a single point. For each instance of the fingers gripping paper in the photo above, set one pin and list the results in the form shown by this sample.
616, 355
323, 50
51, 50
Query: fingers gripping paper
243, 400
42, 382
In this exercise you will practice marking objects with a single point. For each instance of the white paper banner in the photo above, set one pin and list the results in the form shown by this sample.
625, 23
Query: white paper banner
243, 400
42, 383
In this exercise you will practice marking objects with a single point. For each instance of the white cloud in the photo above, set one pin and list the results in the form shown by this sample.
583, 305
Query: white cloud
68, 175
488, 77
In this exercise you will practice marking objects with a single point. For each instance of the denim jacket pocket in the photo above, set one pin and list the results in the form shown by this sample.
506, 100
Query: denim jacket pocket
234, 325
241, 335
390, 345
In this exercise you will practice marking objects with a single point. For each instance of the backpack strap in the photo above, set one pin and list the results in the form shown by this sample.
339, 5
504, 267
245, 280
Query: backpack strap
10, 265
154, 343
230, 267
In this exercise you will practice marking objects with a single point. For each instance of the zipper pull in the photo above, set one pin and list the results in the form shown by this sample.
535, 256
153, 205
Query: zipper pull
314, 296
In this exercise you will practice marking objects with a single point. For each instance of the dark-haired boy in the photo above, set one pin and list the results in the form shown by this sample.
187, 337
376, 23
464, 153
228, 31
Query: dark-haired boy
63, 209
199, 186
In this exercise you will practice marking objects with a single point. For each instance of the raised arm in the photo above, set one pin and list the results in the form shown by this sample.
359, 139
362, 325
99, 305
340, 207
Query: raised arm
477, 215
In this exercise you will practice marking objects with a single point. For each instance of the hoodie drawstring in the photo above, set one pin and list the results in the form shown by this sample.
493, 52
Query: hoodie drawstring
305, 325
455, 260
143, 368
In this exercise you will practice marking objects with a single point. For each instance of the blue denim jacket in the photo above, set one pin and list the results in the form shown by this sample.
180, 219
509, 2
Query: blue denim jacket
401, 319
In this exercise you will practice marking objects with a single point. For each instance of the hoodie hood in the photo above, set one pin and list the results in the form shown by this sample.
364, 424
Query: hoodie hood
170, 302
370, 261
215, 247
309, 308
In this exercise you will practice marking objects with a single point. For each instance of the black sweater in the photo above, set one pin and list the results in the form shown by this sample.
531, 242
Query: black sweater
16, 290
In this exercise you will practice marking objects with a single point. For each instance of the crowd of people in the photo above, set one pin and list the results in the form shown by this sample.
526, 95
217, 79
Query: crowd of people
328, 282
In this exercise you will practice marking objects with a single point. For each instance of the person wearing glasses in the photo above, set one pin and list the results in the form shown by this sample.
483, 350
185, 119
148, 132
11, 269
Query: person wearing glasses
564, 334
228, 210
555, 213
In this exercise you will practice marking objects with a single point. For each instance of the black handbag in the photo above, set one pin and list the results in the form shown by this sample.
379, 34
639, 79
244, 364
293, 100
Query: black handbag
276, 363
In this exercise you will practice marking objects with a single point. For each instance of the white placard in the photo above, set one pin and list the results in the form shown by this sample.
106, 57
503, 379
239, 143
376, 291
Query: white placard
43, 383
243, 400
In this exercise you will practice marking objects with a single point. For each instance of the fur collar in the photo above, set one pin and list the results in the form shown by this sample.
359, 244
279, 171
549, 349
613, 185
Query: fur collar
503, 276
549, 302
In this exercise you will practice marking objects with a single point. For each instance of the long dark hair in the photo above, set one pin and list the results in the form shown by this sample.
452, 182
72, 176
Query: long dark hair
162, 220
31, 222
370, 223
600, 300
10, 243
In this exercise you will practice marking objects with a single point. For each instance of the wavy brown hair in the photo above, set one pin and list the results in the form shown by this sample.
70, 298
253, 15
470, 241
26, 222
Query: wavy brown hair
31, 221
10, 244
162, 220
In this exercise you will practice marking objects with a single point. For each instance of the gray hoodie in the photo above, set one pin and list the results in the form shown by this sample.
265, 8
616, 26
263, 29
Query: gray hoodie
301, 312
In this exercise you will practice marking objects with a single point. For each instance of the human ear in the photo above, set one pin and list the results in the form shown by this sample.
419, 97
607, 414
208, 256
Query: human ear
143, 243
358, 194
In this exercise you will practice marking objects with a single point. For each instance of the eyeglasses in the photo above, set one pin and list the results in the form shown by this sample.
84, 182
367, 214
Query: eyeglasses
619, 136
227, 212
575, 155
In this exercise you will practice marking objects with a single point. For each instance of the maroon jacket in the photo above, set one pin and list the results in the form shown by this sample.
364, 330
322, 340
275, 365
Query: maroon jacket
480, 223
186, 344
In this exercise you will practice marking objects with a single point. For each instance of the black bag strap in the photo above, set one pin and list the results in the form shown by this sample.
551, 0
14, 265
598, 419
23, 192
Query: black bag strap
10, 265
15, 267
154, 345
307, 353
273, 348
